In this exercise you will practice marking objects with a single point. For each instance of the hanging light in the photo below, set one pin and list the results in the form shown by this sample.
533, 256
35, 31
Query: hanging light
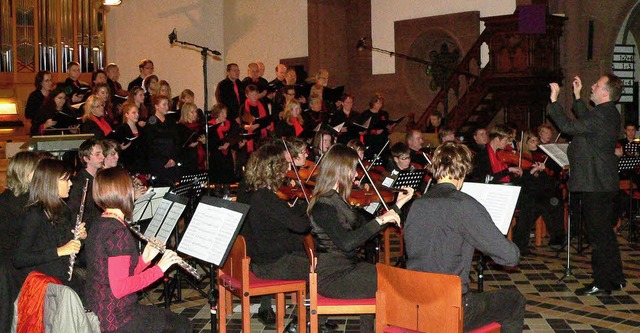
111, 2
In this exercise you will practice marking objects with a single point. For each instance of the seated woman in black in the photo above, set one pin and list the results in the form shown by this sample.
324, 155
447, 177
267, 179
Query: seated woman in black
46, 239
339, 230
54, 113
116, 270
12, 202
43, 83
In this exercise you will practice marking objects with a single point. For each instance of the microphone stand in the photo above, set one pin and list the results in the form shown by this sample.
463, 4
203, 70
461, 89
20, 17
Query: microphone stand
204, 51
445, 80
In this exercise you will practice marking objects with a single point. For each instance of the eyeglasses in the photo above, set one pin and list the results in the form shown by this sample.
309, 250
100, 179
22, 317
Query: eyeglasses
404, 158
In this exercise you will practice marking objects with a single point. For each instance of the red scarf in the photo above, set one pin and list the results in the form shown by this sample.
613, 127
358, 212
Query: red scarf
201, 152
296, 125
221, 130
261, 114
496, 165
102, 123
31, 302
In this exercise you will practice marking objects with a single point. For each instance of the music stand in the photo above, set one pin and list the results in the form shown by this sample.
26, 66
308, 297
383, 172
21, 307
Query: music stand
209, 237
411, 179
630, 163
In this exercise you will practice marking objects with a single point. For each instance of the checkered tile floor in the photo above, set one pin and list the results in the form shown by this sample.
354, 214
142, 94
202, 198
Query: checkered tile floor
551, 306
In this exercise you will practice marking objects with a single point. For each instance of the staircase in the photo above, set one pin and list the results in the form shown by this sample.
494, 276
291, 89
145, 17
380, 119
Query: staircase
515, 80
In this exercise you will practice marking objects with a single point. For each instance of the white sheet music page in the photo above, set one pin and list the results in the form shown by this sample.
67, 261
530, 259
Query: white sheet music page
499, 200
141, 204
210, 231
158, 217
557, 152
173, 215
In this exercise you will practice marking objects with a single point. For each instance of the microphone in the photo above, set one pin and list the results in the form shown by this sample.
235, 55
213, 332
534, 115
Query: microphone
361, 45
173, 36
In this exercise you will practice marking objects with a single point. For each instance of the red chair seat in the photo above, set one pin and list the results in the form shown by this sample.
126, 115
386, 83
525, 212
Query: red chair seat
486, 328
326, 301
256, 282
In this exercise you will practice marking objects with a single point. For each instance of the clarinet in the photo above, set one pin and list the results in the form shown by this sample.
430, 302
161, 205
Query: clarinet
76, 231
185, 265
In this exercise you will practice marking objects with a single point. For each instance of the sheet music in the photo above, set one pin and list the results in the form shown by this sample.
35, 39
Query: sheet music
141, 203
210, 231
166, 217
499, 200
158, 217
557, 152
170, 222
145, 214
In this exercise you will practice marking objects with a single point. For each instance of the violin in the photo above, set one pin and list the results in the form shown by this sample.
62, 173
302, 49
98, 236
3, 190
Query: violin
361, 197
289, 192
513, 158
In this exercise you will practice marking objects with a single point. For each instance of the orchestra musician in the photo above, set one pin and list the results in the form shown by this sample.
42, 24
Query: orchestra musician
46, 236
117, 271
488, 168
92, 157
414, 141
339, 231
273, 228
444, 228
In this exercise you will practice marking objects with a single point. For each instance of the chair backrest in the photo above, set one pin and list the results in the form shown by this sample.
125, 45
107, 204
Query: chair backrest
236, 261
420, 301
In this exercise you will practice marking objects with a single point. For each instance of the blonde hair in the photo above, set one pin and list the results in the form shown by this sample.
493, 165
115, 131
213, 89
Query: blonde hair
288, 112
452, 159
92, 102
266, 167
338, 166
20, 168
184, 112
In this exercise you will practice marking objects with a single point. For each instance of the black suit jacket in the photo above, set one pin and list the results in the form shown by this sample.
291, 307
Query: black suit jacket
592, 150
227, 96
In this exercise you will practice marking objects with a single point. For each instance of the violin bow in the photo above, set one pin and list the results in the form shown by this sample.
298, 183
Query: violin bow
366, 174
375, 158
295, 170
426, 157
521, 147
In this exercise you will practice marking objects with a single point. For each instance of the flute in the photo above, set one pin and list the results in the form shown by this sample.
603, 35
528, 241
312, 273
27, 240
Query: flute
185, 265
76, 232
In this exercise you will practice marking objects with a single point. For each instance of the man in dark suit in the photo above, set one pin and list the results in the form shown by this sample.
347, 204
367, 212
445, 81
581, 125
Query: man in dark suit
594, 174
230, 92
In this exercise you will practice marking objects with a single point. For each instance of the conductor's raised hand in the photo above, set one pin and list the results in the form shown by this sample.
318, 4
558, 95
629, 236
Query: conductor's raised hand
577, 86
555, 91
168, 259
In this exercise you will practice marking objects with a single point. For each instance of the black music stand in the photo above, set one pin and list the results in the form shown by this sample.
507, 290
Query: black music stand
630, 163
190, 186
210, 236
411, 179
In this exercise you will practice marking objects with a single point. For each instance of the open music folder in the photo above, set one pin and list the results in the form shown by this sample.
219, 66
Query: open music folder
213, 229
166, 217
499, 200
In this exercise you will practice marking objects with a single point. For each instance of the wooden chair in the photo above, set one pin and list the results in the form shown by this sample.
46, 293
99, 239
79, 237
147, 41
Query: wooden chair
412, 301
320, 305
235, 278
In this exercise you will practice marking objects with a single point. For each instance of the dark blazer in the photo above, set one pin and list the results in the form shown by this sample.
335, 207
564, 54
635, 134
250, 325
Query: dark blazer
227, 96
592, 150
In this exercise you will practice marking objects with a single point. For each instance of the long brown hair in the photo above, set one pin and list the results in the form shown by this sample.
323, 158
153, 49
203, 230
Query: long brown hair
44, 187
113, 188
338, 165
19, 170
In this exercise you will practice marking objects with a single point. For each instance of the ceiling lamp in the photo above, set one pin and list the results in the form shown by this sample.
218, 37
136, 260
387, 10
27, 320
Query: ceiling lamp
111, 2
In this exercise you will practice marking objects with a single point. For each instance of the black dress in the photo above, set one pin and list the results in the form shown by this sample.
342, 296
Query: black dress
37, 246
221, 160
134, 158
10, 279
162, 144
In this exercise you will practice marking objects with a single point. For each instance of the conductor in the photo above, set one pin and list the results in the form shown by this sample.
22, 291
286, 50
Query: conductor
594, 174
